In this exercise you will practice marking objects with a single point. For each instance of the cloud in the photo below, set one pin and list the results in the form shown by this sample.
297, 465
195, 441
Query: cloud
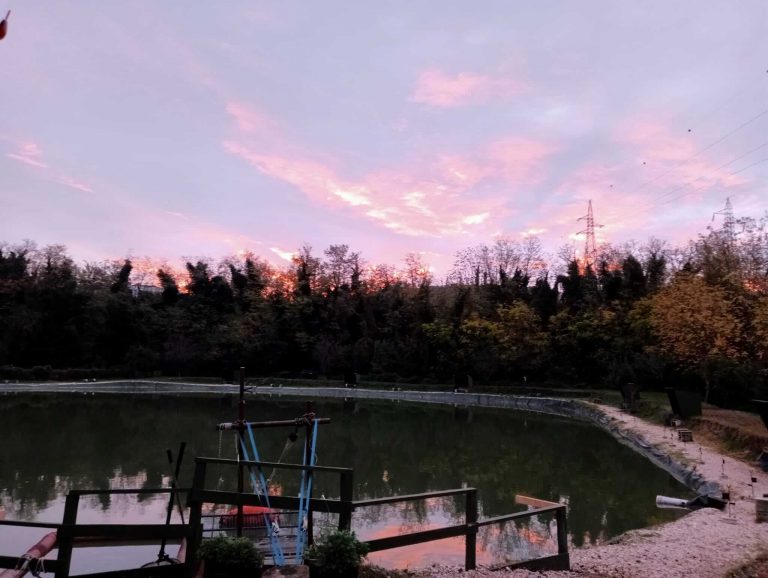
438, 89
449, 195
72, 183
674, 160
32, 155
247, 119
476, 219
285, 255
29, 154
177, 215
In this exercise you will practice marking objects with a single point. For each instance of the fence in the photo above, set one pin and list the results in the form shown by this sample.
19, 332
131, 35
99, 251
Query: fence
70, 534
345, 507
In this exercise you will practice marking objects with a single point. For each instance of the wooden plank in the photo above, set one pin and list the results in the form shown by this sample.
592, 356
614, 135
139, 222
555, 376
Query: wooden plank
562, 531
29, 524
470, 545
137, 491
195, 519
108, 542
265, 424
518, 515
283, 465
533, 502
346, 487
126, 532
170, 571
65, 542
278, 502
416, 538
409, 497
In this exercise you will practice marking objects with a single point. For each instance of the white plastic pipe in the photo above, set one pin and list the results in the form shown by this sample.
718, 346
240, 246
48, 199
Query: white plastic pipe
667, 502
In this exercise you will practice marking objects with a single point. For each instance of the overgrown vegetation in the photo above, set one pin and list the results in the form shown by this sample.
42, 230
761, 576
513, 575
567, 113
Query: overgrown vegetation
696, 317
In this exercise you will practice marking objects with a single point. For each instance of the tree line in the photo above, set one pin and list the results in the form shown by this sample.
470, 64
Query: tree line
651, 314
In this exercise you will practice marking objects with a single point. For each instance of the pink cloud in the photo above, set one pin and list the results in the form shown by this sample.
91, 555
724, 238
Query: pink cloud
438, 89
674, 159
72, 183
433, 199
312, 177
247, 119
29, 154
284, 255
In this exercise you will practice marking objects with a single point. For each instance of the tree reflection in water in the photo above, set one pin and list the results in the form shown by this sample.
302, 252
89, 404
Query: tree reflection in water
54, 443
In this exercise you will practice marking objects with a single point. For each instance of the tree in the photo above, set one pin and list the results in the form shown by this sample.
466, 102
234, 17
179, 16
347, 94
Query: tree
522, 342
417, 272
697, 325
123, 277
170, 288
306, 268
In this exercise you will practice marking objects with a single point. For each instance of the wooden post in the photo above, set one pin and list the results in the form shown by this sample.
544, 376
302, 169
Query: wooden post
195, 518
562, 533
470, 543
345, 496
65, 539
241, 440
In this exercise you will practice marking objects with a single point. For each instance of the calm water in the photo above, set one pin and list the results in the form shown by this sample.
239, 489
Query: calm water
53, 443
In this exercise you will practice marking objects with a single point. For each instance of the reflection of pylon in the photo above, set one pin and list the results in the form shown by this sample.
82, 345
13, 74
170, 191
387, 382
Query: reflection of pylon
590, 246
729, 222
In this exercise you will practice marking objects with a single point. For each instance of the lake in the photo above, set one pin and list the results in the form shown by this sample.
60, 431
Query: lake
52, 443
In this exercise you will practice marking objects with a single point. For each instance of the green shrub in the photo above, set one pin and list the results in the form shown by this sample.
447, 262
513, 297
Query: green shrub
230, 552
337, 553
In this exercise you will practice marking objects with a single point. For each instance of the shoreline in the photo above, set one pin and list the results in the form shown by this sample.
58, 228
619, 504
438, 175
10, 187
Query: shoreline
705, 544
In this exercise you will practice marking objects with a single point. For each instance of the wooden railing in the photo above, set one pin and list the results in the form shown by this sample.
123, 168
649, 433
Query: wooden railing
199, 495
345, 507
70, 534
469, 528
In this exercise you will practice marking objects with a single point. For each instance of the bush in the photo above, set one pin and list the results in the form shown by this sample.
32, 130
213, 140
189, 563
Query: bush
235, 553
338, 554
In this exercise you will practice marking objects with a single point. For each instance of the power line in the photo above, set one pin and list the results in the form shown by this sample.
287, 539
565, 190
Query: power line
738, 158
706, 148
729, 174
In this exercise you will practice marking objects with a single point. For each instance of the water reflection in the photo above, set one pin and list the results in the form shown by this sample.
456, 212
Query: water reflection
52, 444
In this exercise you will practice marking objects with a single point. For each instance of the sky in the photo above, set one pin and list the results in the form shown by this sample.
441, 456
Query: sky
176, 129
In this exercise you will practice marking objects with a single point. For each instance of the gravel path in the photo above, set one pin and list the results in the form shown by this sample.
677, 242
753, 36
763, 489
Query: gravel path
703, 544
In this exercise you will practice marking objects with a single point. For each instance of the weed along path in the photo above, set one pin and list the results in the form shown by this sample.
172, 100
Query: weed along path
702, 544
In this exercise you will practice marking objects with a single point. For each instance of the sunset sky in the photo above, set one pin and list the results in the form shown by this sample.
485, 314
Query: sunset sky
179, 129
